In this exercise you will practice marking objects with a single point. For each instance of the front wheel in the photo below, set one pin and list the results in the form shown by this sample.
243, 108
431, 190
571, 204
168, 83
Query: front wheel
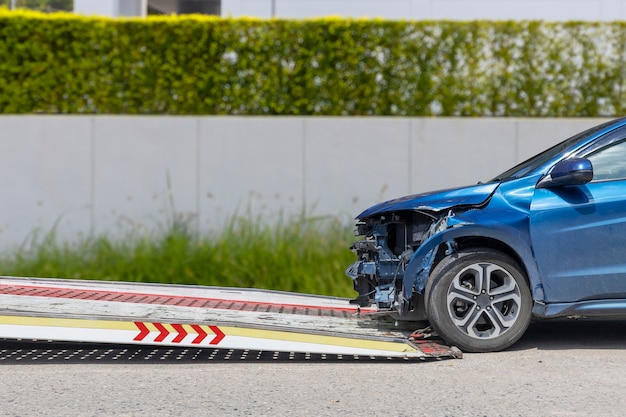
478, 300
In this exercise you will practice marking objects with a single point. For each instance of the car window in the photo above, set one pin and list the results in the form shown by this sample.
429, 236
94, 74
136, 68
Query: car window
539, 160
609, 163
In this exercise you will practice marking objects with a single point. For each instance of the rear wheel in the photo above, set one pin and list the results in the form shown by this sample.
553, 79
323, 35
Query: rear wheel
478, 300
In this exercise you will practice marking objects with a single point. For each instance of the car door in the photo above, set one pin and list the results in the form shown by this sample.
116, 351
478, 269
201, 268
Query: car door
578, 232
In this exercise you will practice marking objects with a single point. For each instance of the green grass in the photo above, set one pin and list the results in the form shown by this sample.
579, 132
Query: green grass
307, 256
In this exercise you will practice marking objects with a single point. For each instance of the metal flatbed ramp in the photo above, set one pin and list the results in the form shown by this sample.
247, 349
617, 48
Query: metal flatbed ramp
200, 317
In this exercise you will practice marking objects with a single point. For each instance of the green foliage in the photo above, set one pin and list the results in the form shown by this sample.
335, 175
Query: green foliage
41, 5
207, 65
303, 255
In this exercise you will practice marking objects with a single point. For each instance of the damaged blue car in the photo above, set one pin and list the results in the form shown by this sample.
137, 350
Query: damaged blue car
544, 239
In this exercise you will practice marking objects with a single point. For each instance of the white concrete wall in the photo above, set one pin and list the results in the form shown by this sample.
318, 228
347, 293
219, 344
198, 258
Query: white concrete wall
556, 10
111, 174
111, 7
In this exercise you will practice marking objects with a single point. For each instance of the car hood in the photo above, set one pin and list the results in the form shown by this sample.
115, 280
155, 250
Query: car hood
473, 195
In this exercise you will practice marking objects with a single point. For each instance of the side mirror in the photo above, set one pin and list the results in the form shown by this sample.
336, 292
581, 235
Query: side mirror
575, 171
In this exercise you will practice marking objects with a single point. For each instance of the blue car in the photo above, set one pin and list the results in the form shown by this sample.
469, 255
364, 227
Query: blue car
545, 239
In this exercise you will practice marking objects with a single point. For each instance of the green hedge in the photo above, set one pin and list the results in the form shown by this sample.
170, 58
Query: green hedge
62, 63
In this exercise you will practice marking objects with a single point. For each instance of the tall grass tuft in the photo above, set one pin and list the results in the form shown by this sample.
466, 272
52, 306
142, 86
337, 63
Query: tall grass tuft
300, 255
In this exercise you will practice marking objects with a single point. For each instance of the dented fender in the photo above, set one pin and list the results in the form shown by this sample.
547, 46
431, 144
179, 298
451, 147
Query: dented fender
419, 267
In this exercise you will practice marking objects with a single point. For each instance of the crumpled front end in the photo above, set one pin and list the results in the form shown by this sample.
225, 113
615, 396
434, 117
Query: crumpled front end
392, 233
388, 242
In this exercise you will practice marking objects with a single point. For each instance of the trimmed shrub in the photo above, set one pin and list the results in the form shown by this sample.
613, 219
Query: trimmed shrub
63, 63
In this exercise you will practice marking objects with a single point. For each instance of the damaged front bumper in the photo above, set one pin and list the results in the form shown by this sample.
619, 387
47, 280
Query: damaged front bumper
387, 247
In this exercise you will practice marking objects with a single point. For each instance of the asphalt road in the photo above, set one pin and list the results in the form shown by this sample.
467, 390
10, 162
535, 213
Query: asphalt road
572, 368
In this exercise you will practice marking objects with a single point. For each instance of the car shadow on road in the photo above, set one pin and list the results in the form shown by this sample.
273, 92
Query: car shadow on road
580, 333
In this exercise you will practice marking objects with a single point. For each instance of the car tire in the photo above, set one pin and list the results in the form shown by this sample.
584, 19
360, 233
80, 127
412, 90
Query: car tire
478, 300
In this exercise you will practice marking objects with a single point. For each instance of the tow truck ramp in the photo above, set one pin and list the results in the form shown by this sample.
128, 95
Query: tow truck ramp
64, 310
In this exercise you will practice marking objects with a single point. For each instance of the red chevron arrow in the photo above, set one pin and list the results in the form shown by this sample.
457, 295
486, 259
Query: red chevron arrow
201, 334
219, 335
181, 333
163, 332
143, 331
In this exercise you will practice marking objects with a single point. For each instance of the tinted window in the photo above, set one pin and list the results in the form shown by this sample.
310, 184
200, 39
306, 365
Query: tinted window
538, 160
609, 163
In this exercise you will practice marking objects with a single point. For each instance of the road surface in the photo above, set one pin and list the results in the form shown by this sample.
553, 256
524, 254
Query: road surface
560, 368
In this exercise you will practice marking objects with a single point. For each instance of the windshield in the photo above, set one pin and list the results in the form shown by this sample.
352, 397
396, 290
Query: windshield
538, 160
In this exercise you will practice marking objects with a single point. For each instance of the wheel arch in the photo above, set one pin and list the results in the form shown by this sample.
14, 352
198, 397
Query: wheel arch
470, 242
471, 236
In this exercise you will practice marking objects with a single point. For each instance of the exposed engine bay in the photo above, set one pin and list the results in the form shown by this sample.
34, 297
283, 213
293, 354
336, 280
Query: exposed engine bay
387, 244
